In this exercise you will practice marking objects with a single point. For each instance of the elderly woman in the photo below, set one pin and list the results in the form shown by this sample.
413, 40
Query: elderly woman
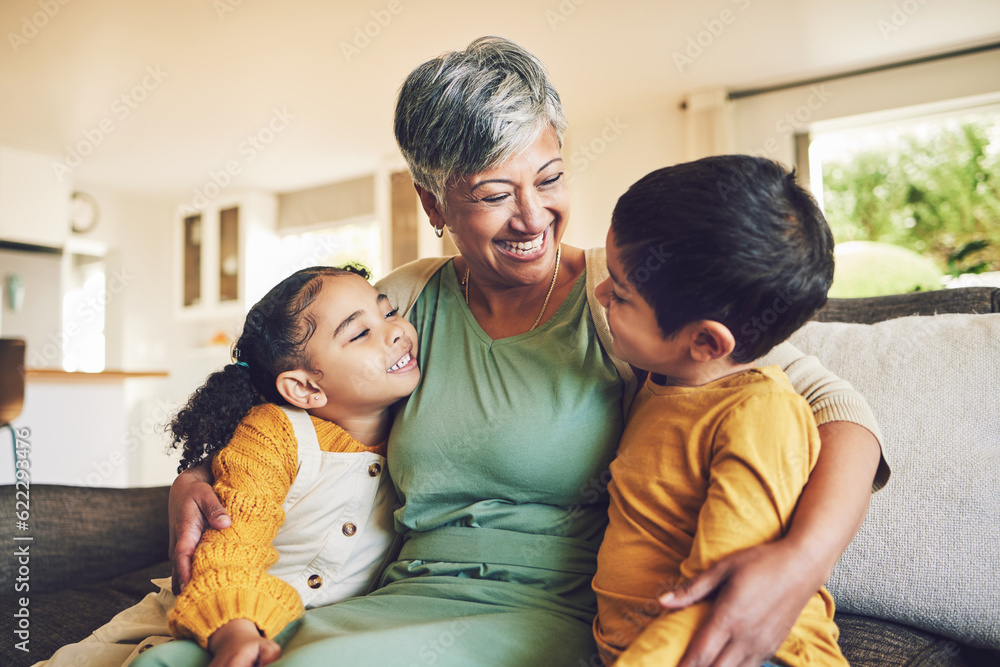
500, 457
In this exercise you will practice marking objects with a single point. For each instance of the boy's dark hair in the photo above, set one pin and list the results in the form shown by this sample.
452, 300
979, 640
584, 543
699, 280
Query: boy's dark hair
273, 341
730, 238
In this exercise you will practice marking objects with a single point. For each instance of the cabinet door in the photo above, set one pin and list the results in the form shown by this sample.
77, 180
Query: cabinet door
192, 260
34, 202
211, 262
229, 254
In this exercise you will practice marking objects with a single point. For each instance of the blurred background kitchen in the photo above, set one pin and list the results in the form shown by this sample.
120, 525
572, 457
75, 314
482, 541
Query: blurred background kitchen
162, 164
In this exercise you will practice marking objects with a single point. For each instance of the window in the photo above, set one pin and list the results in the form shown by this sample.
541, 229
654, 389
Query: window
84, 306
913, 201
359, 242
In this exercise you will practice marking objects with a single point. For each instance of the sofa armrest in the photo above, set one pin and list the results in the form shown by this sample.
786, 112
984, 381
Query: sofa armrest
82, 535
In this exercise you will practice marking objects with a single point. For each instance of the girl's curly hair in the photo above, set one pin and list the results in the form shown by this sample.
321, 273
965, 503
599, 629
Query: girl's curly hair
273, 341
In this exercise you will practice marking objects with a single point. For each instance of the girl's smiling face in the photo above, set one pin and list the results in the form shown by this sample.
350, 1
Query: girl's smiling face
362, 355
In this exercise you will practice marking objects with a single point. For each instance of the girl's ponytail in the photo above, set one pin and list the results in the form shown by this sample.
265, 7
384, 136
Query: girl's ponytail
210, 417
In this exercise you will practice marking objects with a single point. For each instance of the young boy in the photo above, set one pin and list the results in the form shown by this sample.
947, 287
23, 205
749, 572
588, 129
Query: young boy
712, 264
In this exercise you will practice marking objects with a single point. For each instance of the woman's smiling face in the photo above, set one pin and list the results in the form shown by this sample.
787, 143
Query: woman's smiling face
507, 221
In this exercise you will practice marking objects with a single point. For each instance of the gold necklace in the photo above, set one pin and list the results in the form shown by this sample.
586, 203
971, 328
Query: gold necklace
552, 285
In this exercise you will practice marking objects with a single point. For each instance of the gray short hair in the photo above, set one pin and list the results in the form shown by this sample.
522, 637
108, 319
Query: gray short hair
470, 110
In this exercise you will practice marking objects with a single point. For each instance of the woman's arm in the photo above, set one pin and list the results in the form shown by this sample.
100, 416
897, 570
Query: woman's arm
193, 507
762, 590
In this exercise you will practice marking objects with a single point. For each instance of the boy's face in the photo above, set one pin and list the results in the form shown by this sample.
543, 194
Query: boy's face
637, 336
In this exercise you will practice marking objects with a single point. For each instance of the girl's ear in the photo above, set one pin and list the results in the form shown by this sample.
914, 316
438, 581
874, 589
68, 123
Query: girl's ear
711, 340
430, 206
299, 390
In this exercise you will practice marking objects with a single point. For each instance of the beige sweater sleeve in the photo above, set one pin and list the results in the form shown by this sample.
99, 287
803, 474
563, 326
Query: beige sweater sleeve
830, 397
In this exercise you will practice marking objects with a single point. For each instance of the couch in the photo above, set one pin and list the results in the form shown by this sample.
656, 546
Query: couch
94, 550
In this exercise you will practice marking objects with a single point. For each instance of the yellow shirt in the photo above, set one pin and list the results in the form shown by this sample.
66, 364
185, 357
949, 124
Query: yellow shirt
253, 475
702, 472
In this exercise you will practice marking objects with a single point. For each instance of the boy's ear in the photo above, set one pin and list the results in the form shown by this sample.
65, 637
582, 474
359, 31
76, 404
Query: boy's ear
711, 340
299, 390
431, 207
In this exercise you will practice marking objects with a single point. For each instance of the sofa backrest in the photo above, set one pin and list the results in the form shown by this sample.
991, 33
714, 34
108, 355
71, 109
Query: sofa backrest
82, 535
880, 308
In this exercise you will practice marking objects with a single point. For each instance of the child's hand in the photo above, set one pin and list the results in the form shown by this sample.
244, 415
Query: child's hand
239, 643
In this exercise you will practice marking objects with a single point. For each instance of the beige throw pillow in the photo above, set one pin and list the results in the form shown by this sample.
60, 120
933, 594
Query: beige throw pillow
928, 554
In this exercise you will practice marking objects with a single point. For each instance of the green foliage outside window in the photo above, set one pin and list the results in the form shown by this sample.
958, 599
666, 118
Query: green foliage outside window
935, 191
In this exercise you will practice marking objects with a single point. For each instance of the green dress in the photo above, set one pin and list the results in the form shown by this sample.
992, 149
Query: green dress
500, 459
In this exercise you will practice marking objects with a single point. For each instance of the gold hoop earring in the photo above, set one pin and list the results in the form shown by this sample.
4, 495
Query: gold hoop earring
439, 231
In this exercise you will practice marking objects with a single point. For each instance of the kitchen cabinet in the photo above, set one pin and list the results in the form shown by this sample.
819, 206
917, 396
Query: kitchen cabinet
214, 247
34, 200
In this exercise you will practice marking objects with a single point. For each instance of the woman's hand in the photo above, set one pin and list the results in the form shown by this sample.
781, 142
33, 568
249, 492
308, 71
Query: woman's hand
760, 593
193, 507
239, 643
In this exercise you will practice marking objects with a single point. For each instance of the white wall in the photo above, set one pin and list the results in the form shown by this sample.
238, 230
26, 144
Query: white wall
765, 124
603, 161
607, 152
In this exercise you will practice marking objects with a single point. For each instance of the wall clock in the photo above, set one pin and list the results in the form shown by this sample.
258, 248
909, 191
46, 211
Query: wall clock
83, 212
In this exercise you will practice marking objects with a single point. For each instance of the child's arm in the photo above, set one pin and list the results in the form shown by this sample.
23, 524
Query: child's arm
759, 461
229, 572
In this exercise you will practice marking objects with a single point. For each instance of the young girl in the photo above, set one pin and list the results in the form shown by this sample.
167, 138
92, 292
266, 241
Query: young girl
305, 411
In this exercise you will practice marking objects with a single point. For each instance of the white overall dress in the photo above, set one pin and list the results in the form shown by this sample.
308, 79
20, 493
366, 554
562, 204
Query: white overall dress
337, 537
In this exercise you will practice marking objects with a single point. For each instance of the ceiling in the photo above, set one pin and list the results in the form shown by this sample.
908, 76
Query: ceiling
162, 95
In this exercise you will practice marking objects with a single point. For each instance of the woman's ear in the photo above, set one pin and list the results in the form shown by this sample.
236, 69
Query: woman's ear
299, 390
711, 340
431, 207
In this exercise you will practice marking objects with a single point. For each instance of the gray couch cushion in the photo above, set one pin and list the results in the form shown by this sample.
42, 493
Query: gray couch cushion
84, 535
926, 554
867, 642
63, 617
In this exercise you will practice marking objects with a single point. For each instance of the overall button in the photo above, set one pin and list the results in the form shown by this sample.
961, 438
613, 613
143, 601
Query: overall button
315, 581
350, 529
374, 469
